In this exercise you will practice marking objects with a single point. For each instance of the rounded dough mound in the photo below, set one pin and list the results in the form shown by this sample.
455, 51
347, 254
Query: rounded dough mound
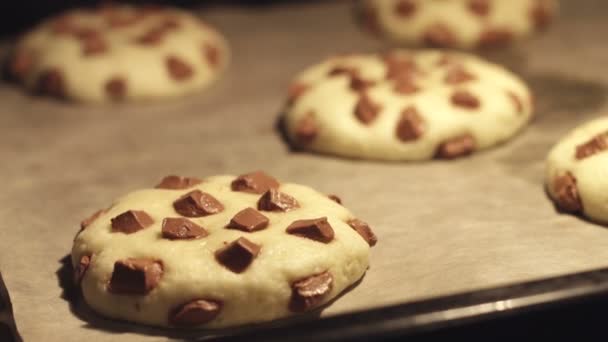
405, 105
131, 267
456, 23
117, 53
576, 171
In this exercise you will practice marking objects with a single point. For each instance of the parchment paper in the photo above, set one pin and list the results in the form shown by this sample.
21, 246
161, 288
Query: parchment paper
443, 227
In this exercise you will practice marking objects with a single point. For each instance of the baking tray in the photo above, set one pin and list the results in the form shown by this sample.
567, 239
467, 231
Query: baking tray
444, 228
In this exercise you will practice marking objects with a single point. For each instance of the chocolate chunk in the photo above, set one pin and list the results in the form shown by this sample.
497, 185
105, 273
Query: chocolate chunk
51, 82
566, 193
439, 35
405, 86
195, 312
21, 64
358, 84
238, 255
410, 126
294, 92
150, 38
405, 8
63, 25
196, 204
173, 182
93, 45
178, 69
456, 147
479, 7
541, 15
135, 276
131, 221
398, 67
274, 200
458, 75
115, 21
366, 110
597, 144
465, 99
307, 129
179, 228
212, 55
168, 24
493, 37
517, 102
89, 220
309, 292
341, 70
315, 229
256, 182
248, 220
335, 198
116, 88
364, 230
81, 268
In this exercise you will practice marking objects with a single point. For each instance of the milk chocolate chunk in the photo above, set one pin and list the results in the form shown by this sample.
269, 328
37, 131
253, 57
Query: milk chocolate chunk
410, 126
51, 82
196, 312
340, 70
179, 228
492, 37
405, 86
256, 182
316, 229
116, 88
309, 292
81, 268
479, 7
248, 220
151, 37
335, 198
366, 110
439, 35
131, 221
307, 129
212, 55
398, 66
197, 204
294, 92
93, 45
405, 8
178, 69
465, 99
135, 276
566, 193
274, 200
596, 145
458, 75
456, 147
173, 182
517, 102
238, 255
359, 84
364, 230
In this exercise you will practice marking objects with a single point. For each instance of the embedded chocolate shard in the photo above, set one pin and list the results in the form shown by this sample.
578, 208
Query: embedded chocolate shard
464, 99
212, 55
398, 66
197, 204
179, 228
89, 220
93, 45
248, 220
116, 88
493, 37
173, 182
405, 8
456, 147
315, 229
439, 35
196, 312
596, 145
366, 110
256, 182
479, 7
458, 75
178, 69
294, 92
405, 86
309, 292
335, 198
135, 276
131, 221
567, 197
364, 230
81, 268
274, 200
341, 70
359, 84
307, 129
238, 255
51, 82
410, 126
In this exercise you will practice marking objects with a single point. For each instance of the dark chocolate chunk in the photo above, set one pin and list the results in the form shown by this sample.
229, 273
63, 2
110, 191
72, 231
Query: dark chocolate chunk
131, 221
410, 126
439, 35
256, 182
51, 82
81, 268
405, 86
335, 198
358, 84
405, 8
517, 102
196, 312
458, 75
309, 292
179, 228
479, 7
566, 193
248, 220
493, 37
178, 69
341, 70
316, 229
274, 200
597, 144
398, 67
212, 55
197, 204
150, 38
93, 45
366, 110
116, 88
238, 255
465, 99
456, 147
135, 276
307, 129
364, 230
173, 182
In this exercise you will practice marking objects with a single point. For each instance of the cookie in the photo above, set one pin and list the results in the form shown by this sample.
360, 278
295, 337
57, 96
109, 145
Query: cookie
119, 53
575, 171
217, 252
455, 23
405, 105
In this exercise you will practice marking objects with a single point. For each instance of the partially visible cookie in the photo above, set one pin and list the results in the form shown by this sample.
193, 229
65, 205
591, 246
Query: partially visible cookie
217, 252
576, 171
405, 105
455, 23
119, 53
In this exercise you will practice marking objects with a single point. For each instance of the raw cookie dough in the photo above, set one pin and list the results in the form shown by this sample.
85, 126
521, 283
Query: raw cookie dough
455, 23
405, 105
576, 171
218, 252
119, 52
